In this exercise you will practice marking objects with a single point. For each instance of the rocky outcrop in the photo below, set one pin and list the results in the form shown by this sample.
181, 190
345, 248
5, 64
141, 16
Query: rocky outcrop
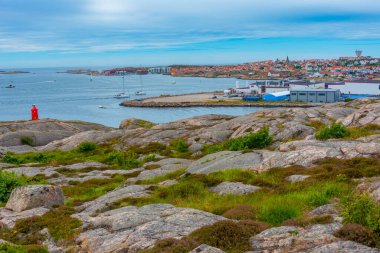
42, 132
304, 152
88, 136
235, 188
294, 239
130, 229
33, 196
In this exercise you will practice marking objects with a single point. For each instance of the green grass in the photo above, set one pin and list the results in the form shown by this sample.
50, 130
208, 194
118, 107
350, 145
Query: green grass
26, 140
6, 248
85, 152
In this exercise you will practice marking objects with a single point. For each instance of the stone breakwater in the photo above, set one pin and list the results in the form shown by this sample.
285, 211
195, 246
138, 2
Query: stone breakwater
237, 103
205, 99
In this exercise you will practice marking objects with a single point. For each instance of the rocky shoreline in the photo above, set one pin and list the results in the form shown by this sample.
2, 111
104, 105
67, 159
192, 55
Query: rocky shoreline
175, 187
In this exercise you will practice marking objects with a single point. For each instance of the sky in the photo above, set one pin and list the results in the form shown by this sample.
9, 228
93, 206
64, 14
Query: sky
86, 33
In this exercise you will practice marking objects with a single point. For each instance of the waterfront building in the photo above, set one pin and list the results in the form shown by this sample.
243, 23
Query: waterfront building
315, 95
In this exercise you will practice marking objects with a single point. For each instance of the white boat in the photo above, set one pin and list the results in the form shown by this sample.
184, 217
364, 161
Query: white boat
101, 107
122, 94
10, 86
140, 92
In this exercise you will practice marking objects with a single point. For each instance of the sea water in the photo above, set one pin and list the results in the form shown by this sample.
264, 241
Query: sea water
75, 97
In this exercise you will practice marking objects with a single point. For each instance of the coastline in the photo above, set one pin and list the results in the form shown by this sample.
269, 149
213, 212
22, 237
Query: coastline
204, 99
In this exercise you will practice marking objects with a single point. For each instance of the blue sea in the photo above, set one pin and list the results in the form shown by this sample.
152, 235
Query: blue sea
74, 97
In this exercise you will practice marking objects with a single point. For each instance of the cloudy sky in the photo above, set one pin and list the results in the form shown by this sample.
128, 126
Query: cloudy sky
49, 33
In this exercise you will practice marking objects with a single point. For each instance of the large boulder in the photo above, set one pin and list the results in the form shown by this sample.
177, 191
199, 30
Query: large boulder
235, 188
32, 196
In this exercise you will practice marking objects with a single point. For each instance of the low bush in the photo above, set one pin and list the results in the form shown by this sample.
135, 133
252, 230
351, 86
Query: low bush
241, 212
85, 147
126, 160
335, 131
358, 233
8, 182
228, 235
26, 140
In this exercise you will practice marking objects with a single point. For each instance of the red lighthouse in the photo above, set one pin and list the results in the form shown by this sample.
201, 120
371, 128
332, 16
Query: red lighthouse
34, 112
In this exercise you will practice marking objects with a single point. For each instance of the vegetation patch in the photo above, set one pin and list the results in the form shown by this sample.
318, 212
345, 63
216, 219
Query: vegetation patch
335, 131
259, 140
7, 248
26, 140
81, 192
229, 236
359, 234
59, 222
362, 210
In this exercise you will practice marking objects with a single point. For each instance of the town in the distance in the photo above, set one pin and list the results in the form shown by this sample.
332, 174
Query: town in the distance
310, 81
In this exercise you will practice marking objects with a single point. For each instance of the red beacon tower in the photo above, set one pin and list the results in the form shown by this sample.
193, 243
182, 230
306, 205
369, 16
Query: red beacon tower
34, 112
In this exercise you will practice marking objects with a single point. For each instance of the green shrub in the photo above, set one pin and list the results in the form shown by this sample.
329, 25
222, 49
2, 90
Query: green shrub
362, 210
85, 147
8, 182
259, 139
179, 145
358, 233
126, 160
26, 140
10, 158
228, 235
335, 131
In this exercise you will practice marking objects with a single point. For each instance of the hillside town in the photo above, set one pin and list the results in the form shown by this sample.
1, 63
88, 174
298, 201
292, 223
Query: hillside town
358, 67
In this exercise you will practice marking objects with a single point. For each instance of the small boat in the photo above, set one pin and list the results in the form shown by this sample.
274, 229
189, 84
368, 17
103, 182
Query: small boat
140, 92
10, 86
174, 82
122, 94
101, 107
